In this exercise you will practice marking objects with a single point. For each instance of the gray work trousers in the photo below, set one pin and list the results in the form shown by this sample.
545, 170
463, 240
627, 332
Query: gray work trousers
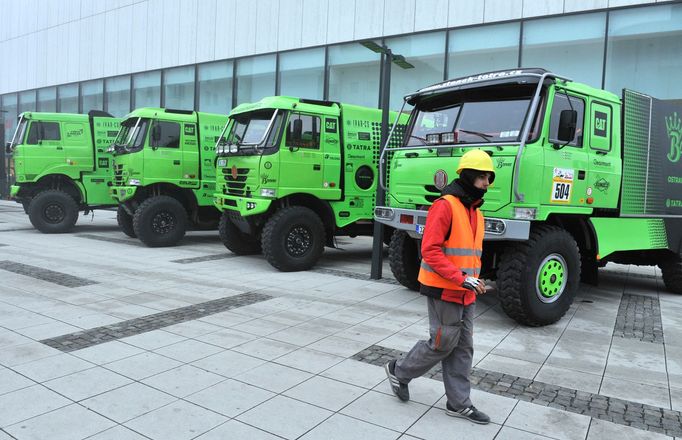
451, 327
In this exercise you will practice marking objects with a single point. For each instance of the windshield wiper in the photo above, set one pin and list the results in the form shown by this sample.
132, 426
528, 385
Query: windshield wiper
485, 136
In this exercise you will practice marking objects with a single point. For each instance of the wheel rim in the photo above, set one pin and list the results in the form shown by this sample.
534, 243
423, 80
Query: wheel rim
299, 241
163, 222
54, 213
551, 279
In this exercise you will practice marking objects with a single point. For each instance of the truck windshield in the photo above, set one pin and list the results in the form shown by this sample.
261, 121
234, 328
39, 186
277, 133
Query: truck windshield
250, 132
19, 134
131, 136
469, 120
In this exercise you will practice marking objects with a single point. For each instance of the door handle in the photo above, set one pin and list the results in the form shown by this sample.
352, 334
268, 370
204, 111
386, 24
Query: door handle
176, 162
317, 167
581, 174
60, 148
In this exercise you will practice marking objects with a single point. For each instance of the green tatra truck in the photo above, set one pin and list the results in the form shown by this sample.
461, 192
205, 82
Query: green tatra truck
294, 173
164, 173
583, 177
61, 166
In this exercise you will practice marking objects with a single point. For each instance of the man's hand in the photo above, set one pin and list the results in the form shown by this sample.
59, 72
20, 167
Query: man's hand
475, 284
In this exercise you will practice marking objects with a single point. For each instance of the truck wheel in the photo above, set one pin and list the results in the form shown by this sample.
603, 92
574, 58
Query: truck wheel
235, 240
53, 212
404, 259
160, 221
672, 274
125, 222
293, 239
538, 279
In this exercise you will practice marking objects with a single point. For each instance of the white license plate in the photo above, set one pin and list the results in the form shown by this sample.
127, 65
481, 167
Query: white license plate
419, 229
222, 162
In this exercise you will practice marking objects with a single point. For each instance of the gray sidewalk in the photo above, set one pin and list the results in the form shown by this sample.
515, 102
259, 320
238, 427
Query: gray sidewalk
103, 338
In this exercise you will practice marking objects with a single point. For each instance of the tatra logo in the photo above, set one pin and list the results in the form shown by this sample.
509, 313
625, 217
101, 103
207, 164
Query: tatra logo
674, 126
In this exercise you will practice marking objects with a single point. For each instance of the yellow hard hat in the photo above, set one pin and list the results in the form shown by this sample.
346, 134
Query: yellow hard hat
476, 160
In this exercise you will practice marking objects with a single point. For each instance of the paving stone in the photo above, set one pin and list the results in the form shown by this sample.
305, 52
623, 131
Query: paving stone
50, 276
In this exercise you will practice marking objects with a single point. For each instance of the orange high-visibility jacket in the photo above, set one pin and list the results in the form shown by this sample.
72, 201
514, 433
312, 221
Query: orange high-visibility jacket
461, 248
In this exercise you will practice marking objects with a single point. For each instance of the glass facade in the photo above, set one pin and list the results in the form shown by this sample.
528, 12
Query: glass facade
301, 73
117, 92
354, 75
92, 96
9, 115
27, 101
483, 49
67, 98
47, 99
147, 89
178, 88
255, 78
215, 87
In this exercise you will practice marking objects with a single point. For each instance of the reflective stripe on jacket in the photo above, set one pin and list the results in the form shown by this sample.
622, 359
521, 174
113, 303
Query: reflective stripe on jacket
461, 248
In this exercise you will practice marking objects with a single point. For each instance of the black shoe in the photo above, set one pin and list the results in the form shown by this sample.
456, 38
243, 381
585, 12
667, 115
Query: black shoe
399, 389
469, 413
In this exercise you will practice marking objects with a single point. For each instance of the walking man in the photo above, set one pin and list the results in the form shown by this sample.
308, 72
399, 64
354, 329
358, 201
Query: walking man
451, 264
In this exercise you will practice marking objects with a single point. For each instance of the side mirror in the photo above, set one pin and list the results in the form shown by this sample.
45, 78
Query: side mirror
567, 124
156, 135
8, 147
297, 134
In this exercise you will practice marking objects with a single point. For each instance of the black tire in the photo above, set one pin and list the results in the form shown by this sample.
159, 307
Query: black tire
125, 222
293, 239
403, 258
523, 295
160, 221
53, 212
235, 240
671, 270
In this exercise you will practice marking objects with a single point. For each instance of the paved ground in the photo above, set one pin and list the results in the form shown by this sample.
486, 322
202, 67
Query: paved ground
102, 338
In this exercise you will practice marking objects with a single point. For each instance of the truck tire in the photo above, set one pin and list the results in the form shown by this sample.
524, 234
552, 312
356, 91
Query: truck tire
160, 221
125, 222
53, 212
537, 280
404, 259
671, 270
293, 239
235, 240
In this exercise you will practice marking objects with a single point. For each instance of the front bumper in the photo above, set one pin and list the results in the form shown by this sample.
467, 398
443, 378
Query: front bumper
246, 206
122, 193
412, 221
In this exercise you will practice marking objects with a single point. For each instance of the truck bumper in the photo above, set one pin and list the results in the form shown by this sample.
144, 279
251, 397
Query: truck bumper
244, 205
122, 193
412, 221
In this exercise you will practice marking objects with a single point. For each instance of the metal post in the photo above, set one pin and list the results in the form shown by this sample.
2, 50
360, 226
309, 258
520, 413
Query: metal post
378, 235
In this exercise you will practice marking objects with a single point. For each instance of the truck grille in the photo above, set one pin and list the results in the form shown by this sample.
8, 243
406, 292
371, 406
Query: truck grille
235, 186
432, 193
119, 180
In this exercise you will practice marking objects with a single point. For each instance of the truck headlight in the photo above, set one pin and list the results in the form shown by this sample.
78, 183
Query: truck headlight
525, 213
495, 226
134, 182
384, 213
234, 148
268, 192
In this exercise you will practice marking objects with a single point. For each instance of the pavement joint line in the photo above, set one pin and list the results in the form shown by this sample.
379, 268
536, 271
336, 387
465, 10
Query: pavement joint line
639, 317
109, 239
99, 335
16, 229
622, 412
40, 273
211, 257
354, 275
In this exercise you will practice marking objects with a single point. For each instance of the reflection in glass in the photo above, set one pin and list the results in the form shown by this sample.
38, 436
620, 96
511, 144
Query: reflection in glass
301, 73
118, 95
179, 88
255, 78
215, 87
483, 49
147, 89
354, 75
92, 95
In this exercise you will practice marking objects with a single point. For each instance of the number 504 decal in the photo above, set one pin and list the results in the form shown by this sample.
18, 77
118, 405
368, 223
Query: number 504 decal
562, 184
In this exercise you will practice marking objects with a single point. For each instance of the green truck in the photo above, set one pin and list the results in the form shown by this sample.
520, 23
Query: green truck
60, 165
292, 174
164, 173
583, 177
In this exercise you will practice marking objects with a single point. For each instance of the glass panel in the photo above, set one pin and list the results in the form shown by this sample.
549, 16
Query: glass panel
570, 46
147, 89
43, 131
354, 75
168, 134
561, 103
215, 87
10, 115
644, 50
483, 49
255, 78
426, 52
301, 73
47, 99
179, 88
27, 101
303, 131
67, 98
118, 95
92, 95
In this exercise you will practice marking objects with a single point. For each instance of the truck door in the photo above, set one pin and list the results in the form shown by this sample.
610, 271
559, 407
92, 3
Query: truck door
97, 182
43, 148
190, 155
565, 171
301, 158
603, 176
163, 157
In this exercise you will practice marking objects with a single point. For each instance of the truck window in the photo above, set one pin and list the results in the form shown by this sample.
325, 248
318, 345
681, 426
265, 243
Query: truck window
309, 136
43, 131
561, 103
169, 134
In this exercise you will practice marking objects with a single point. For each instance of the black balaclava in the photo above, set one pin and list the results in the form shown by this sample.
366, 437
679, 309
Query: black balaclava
466, 182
